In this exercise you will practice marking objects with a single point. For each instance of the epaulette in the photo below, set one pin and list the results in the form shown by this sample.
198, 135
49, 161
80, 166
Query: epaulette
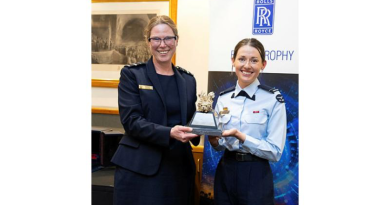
227, 90
267, 88
184, 70
278, 97
135, 64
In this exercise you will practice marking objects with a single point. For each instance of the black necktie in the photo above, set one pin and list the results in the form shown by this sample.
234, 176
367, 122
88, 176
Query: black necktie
243, 93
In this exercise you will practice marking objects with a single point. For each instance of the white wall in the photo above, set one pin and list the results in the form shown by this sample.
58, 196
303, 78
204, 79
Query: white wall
191, 54
193, 50
104, 97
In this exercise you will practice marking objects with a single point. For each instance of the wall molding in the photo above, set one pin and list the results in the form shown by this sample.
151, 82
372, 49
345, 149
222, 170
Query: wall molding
105, 110
105, 83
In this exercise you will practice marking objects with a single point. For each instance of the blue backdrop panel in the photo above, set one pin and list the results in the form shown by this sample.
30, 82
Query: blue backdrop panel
285, 171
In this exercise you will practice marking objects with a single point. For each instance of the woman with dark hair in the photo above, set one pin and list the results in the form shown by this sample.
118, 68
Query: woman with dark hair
253, 119
154, 161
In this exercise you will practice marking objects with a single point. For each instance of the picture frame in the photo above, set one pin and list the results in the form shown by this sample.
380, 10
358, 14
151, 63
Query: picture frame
107, 75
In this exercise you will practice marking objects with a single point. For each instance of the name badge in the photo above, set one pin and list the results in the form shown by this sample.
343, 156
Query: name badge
145, 87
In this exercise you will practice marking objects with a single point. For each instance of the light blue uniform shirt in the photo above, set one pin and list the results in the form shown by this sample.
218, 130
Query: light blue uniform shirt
263, 121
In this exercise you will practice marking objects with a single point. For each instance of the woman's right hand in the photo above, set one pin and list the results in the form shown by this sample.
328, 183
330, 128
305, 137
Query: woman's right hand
182, 134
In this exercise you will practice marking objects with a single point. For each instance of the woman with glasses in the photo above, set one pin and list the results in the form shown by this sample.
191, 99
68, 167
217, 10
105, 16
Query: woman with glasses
253, 117
154, 161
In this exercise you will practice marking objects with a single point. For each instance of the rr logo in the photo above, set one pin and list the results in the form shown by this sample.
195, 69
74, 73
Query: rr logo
263, 17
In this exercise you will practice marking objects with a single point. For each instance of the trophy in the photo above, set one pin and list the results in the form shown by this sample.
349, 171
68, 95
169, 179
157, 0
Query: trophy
203, 122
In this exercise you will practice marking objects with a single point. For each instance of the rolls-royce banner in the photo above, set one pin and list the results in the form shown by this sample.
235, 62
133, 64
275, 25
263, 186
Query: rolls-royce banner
275, 24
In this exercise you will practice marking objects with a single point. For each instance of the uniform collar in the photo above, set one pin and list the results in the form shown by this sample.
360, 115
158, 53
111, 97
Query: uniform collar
250, 89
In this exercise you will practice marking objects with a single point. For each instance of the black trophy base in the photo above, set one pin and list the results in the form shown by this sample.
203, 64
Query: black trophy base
206, 131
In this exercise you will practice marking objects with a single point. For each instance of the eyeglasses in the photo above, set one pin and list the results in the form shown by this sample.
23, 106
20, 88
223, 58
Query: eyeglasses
169, 40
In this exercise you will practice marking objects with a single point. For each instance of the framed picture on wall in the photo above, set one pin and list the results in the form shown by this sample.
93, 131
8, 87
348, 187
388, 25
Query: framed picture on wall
117, 35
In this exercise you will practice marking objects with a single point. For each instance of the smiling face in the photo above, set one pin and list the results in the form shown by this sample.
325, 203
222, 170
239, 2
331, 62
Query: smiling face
248, 64
162, 52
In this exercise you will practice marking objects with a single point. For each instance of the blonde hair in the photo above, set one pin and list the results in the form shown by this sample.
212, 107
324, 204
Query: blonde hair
160, 20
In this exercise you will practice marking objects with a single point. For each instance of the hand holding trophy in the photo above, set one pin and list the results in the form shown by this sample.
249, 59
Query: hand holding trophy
203, 122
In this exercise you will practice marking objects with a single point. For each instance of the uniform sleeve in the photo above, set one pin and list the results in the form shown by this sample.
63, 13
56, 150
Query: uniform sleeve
131, 113
270, 147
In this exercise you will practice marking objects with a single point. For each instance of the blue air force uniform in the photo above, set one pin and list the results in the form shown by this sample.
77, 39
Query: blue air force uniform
243, 175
